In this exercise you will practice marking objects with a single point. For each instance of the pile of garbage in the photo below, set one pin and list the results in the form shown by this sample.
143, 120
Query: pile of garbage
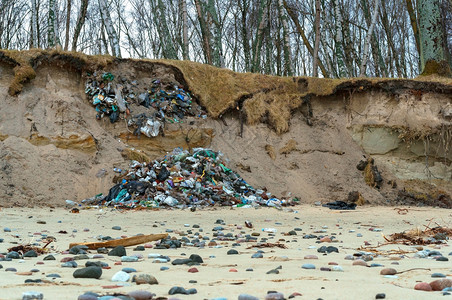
113, 98
185, 179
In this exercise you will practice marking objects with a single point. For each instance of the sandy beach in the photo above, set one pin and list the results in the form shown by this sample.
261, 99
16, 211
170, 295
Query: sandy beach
216, 276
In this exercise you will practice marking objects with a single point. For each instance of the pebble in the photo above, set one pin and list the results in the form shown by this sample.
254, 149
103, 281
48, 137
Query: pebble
144, 279
388, 271
31, 253
329, 249
337, 269
118, 251
88, 296
129, 270
10, 270
88, 272
69, 264
274, 296
120, 276
423, 286
116, 227
141, 295
438, 275
13, 255
311, 257
193, 270
308, 266
325, 269
129, 259
257, 255
6, 229
359, 262
180, 290
440, 284
54, 275
232, 252
247, 297
164, 268
442, 258
380, 296
32, 296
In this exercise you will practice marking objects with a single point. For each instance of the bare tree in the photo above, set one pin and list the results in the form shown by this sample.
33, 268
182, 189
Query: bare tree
362, 71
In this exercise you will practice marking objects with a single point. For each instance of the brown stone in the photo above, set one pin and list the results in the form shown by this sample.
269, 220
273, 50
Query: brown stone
359, 262
423, 286
388, 271
439, 285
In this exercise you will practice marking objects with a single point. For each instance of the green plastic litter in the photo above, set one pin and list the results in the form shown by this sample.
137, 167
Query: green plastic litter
120, 195
226, 170
108, 76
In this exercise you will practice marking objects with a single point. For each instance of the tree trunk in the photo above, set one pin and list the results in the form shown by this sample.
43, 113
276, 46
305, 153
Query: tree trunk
317, 39
51, 39
184, 30
244, 32
432, 43
390, 38
339, 51
34, 25
300, 30
80, 21
205, 34
111, 32
68, 24
414, 24
257, 46
362, 71
217, 58
286, 40
168, 48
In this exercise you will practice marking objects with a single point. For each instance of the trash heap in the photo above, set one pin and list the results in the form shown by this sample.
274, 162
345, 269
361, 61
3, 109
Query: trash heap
184, 179
113, 98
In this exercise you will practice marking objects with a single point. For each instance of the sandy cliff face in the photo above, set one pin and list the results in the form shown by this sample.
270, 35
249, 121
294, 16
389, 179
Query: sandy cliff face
52, 147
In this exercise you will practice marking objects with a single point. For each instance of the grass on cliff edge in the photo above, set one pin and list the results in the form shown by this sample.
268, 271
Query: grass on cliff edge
263, 98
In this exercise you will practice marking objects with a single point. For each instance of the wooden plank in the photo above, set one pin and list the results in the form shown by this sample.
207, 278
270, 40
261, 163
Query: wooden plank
129, 241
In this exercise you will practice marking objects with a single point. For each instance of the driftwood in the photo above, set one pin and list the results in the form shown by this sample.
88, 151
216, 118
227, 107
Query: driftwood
129, 241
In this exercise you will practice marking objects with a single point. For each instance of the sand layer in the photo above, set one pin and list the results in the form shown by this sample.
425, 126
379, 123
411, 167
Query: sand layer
214, 278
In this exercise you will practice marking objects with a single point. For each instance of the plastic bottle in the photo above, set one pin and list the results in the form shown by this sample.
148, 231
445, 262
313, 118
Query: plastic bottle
273, 230
71, 203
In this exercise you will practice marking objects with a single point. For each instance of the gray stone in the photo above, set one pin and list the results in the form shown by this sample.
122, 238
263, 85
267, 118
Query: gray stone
129, 270
32, 296
116, 228
141, 295
438, 275
274, 296
99, 264
13, 255
129, 259
49, 257
247, 297
118, 251
196, 258
232, 252
257, 255
53, 275
69, 264
88, 272
308, 266
31, 253
177, 290
181, 261
81, 256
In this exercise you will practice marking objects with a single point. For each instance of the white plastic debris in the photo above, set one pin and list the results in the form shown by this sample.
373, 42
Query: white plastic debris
151, 129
